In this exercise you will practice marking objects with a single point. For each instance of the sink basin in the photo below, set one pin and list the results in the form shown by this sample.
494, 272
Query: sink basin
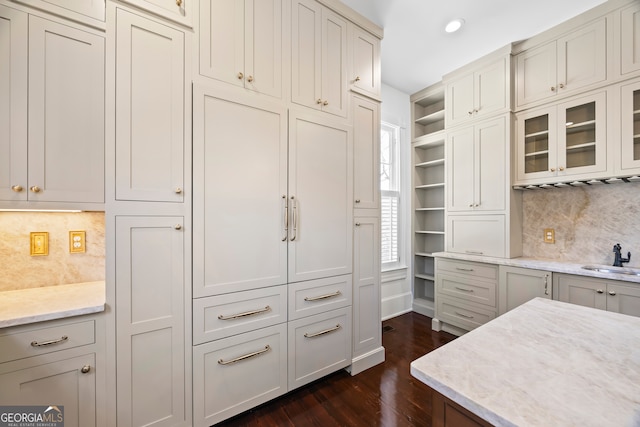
615, 270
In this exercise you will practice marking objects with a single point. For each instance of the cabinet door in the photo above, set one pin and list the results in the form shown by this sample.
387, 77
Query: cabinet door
623, 299
366, 153
580, 290
365, 63
150, 321
630, 141
519, 285
460, 102
334, 63
491, 166
176, 10
60, 383
320, 198
536, 74
150, 112
367, 331
306, 53
536, 141
476, 235
461, 171
13, 104
263, 46
630, 38
491, 90
582, 57
66, 113
240, 194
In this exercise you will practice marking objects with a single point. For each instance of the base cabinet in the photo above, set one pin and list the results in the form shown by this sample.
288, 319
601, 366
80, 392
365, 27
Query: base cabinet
597, 293
519, 285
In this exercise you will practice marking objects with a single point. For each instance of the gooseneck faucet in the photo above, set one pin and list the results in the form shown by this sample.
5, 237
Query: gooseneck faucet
617, 262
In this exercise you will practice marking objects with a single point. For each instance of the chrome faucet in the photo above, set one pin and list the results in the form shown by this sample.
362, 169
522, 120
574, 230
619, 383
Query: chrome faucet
617, 262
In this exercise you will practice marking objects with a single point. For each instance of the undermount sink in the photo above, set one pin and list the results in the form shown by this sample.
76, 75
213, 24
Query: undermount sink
616, 270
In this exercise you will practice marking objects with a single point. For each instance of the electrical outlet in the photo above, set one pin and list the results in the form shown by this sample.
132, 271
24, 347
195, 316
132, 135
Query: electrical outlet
77, 241
549, 235
39, 243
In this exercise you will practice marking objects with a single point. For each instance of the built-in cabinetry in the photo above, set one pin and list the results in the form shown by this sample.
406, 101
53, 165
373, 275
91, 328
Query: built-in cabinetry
52, 115
179, 11
59, 363
364, 74
629, 41
604, 294
428, 192
518, 285
630, 129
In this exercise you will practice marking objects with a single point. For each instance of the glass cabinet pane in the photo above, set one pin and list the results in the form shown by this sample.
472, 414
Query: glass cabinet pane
581, 135
536, 144
636, 125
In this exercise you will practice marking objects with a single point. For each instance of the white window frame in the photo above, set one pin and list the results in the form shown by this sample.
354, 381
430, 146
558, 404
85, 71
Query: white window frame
396, 163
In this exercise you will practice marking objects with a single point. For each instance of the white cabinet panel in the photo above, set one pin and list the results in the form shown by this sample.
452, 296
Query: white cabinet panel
476, 234
366, 153
179, 11
365, 63
240, 189
630, 38
623, 299
317, 296
150, 111
321, 198
519, 285
630, 142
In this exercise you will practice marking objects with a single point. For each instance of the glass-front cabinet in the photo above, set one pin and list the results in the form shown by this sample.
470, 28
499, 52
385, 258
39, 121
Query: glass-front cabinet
630, 111
562, 142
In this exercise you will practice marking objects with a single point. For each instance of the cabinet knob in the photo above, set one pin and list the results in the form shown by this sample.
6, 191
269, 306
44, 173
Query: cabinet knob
552, 169
357, 224
179, 3
325, 103
178, 226
87, 368
250, 79
35, 189
178, 190
240, 76
561, 85
600, 291
357, 78
17, 188
319, 101
471, 113
612, 293
561, 168
553, 88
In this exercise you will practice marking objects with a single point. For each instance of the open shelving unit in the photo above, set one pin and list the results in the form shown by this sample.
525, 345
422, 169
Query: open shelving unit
428, 188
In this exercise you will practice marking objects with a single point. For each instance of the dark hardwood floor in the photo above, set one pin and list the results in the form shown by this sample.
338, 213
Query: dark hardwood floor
385, 395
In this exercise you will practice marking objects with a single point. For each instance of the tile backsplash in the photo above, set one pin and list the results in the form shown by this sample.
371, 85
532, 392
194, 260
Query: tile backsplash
587, 220
20, 270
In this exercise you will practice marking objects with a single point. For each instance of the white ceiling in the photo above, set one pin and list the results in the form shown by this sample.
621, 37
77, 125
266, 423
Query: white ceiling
416, 51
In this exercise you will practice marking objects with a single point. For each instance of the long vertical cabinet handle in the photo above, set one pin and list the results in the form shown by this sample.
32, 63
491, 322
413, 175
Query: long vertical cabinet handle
294, 204
546, 284
286, 218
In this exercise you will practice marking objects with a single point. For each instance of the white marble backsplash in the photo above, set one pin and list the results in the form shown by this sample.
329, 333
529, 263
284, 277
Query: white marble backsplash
587, 220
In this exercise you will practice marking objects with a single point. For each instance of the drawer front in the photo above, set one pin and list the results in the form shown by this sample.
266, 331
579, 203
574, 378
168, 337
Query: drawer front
235, 374
468, 289
319, 345
222, 316
33, 342
468, 268
318, 296
462, 315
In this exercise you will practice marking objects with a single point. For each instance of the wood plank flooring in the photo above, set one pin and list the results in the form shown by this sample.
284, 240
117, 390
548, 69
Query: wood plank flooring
385, 395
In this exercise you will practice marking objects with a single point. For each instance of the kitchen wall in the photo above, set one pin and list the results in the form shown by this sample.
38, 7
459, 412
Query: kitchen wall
587, 220
20, 270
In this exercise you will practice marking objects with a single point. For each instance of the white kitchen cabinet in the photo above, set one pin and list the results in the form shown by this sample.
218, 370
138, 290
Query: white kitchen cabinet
563, 66
519, 285
90, 12
477, 235
364, 75
630, 38
151, 343
478, 167
603, 294
241, 43
150, 110
563, 141
61, 117
366, 153
318, 58
179, 11
629, 153
479, 93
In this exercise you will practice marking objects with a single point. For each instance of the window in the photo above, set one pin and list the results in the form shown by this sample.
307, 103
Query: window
390, 194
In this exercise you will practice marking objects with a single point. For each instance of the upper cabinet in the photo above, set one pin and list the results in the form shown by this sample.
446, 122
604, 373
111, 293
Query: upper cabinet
630, 39
563, 66
630, 113
241, 43
364, 74
318, 57
366, 153
481, 91
62, 117
179, 11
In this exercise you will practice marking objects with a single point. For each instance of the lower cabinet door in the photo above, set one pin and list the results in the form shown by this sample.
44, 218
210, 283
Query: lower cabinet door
234, 374
319, 345
462, 315
63, 384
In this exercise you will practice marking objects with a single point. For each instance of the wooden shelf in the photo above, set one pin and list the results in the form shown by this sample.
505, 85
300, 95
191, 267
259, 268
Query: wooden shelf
430, 164
431, 118
425, 277
429, 209
428, 186
429, 232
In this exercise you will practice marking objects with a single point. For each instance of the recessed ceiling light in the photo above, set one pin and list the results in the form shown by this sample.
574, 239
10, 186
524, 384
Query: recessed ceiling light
454, 25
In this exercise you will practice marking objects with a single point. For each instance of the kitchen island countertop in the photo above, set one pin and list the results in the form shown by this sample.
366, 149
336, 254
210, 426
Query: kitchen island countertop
545, 363
32, 305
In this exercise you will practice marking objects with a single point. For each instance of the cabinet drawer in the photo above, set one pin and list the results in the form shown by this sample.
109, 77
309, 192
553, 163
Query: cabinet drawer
463, 315
235, 374
33, 342
475, 269
467, 288
319, 345
318, 296
231, 314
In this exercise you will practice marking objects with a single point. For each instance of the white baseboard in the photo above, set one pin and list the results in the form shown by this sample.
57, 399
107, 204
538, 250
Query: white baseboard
366, 361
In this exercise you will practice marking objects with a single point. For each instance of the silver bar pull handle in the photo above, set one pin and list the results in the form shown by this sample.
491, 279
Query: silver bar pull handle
331, 295
546, 284
50, 342
246, 356
464, 315
245, 314
294, 202
464, 269
286, 218
326, 331
474, 252
464, 290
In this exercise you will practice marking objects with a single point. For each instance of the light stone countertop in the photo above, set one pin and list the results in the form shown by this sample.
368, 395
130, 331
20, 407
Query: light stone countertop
543, 264
32, 305
544, 363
